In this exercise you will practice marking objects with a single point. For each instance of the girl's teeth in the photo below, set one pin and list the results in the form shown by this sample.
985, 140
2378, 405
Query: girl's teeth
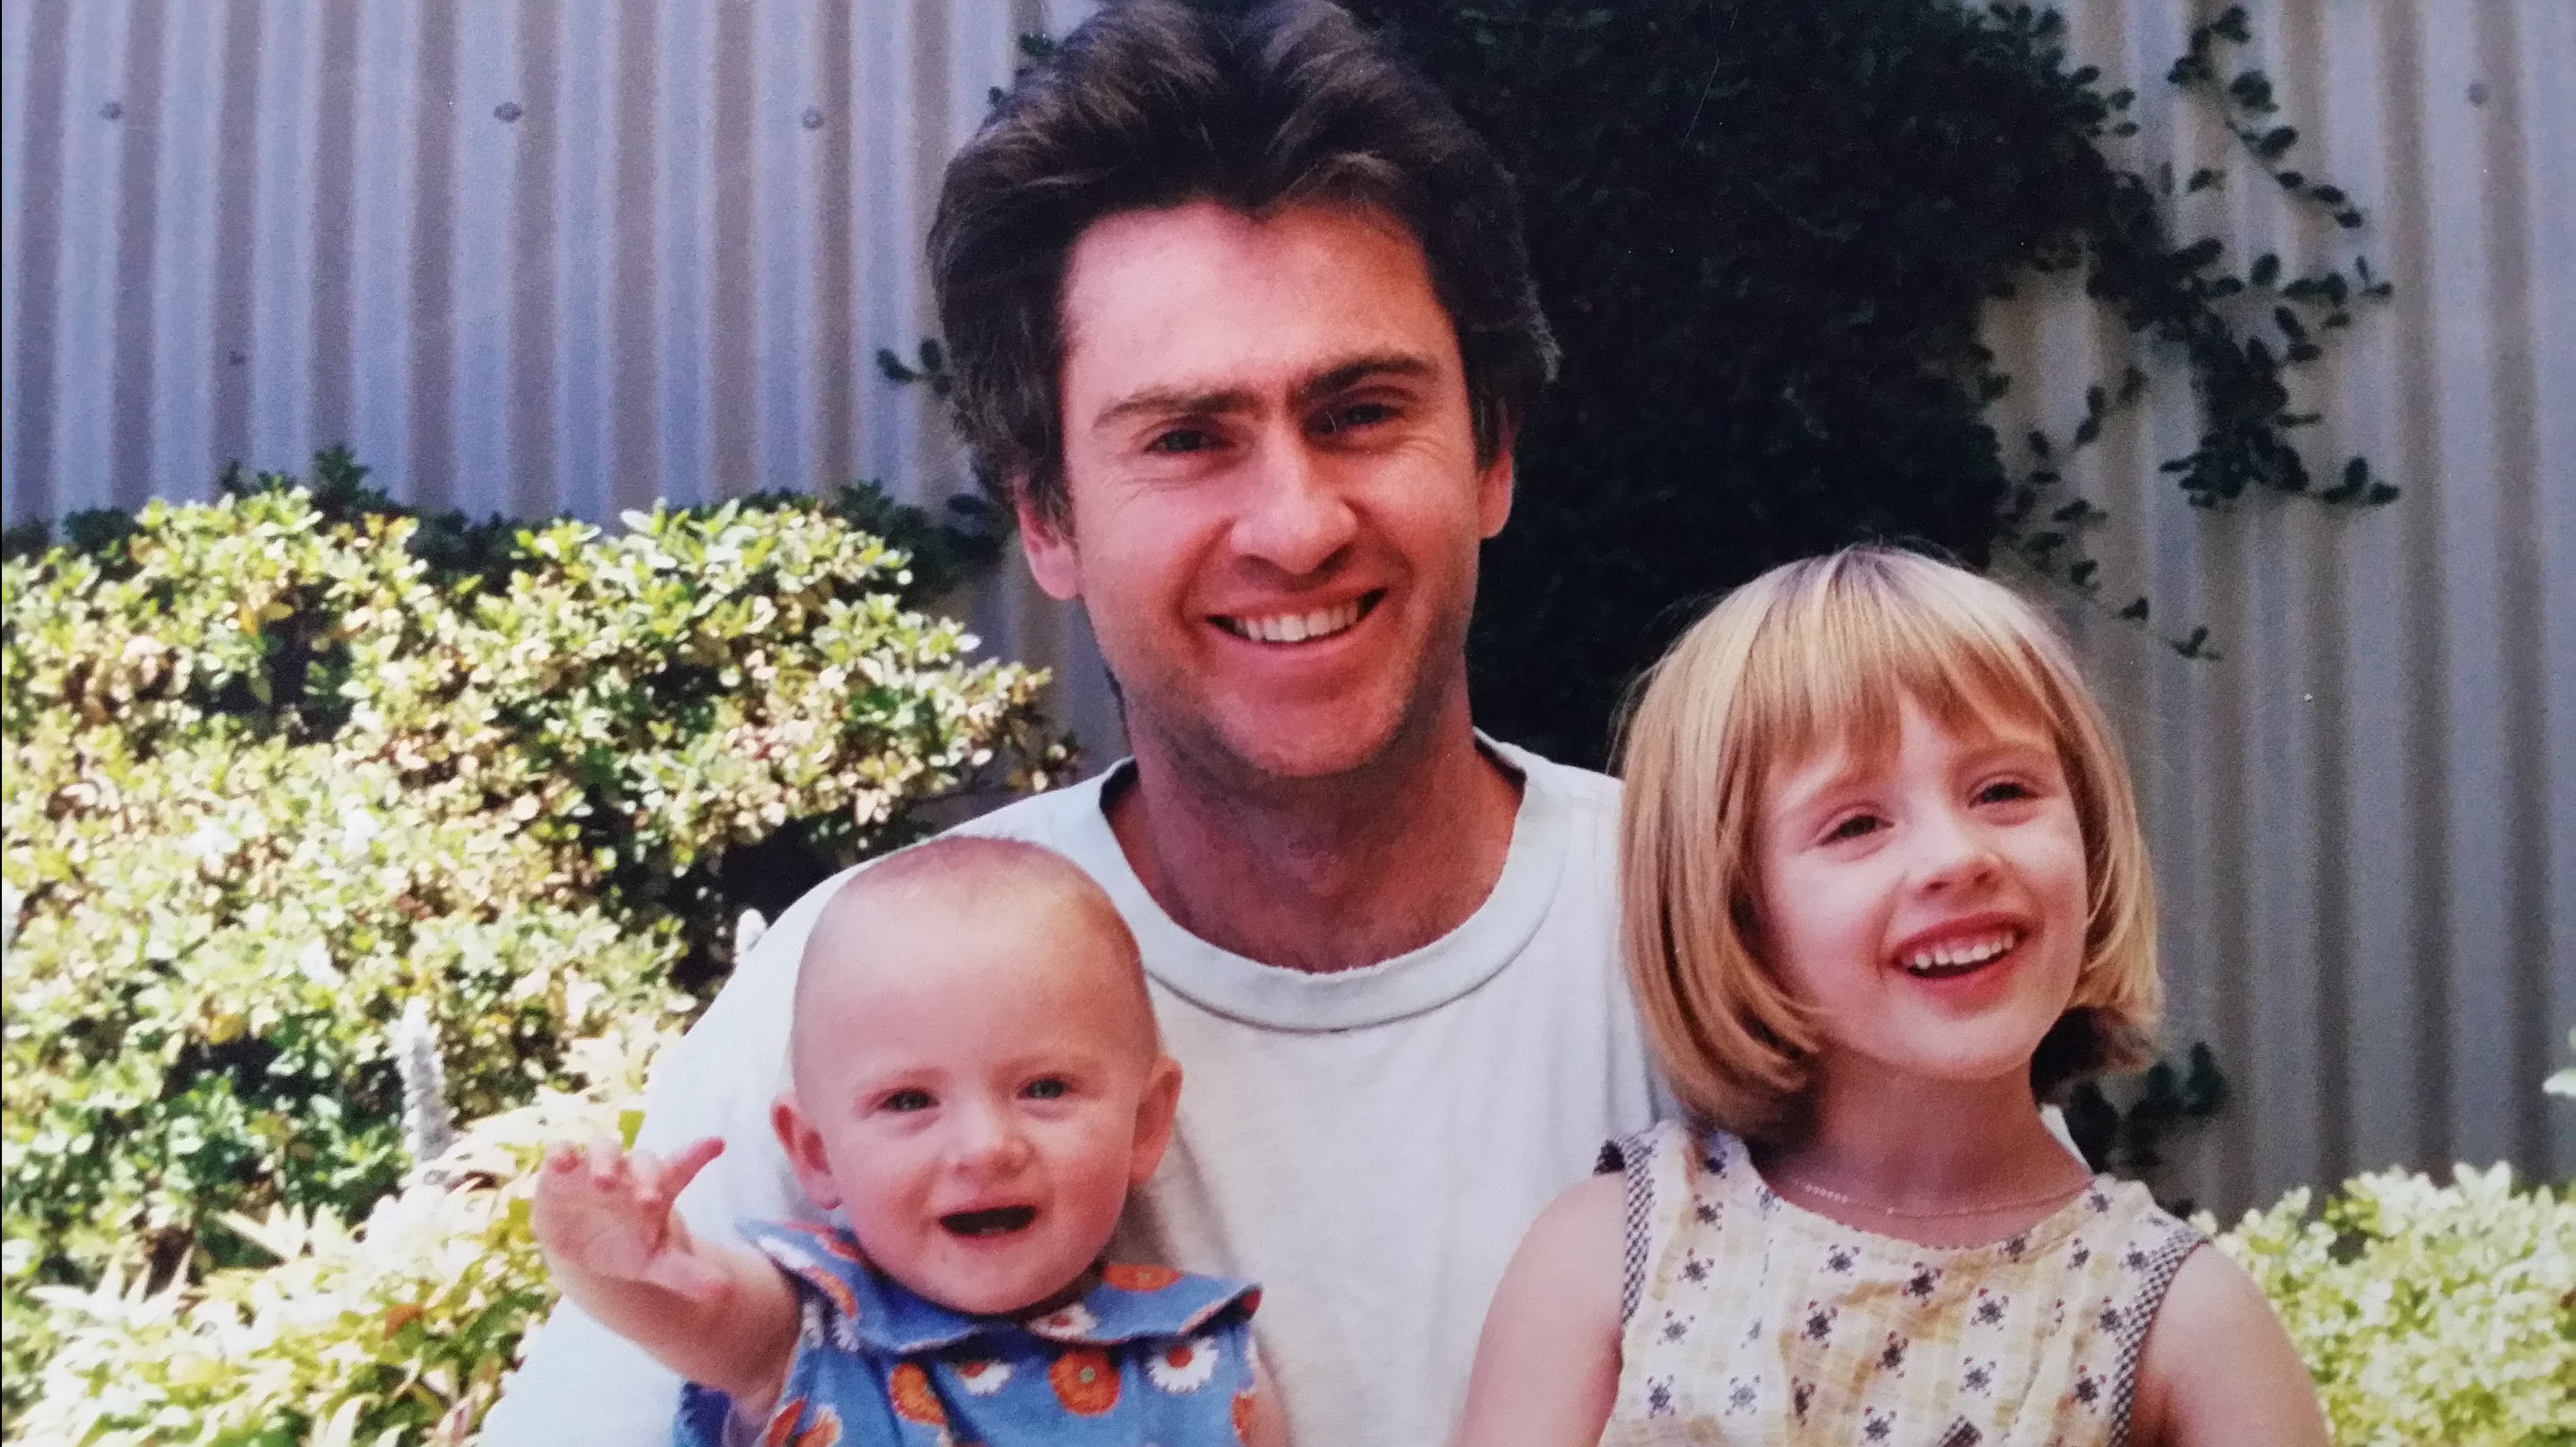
1953, 956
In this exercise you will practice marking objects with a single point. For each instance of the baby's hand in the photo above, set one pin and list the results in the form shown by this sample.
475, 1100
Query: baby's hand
607, 1212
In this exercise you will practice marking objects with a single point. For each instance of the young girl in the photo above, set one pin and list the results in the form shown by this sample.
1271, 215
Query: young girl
977, 1082
1884, 891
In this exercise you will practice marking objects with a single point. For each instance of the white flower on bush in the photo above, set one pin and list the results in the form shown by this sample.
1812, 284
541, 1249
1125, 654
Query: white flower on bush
2427, 1313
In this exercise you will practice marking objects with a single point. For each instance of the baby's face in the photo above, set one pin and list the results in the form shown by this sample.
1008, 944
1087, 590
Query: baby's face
980, 1106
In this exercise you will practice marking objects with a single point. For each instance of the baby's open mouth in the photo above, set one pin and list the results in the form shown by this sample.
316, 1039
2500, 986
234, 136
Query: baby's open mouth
992, 1221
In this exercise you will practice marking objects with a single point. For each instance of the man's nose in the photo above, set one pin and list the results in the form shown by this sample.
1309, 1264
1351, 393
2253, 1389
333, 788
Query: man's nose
1294, 516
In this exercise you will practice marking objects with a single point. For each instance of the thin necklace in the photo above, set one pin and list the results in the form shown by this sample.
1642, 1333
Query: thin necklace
1857, 1204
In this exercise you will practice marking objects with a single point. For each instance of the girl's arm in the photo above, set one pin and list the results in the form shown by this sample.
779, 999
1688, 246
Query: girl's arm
1547, 1367
2219, 1370
716, 1312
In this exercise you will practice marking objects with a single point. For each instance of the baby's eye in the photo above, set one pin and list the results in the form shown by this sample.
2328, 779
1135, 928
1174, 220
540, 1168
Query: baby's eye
1045, 1087
906, 1100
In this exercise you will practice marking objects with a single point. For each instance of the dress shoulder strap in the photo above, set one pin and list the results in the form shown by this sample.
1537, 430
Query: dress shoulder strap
1656, 1165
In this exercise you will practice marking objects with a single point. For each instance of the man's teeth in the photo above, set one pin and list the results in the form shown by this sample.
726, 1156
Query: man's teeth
1294, 627
1960, 954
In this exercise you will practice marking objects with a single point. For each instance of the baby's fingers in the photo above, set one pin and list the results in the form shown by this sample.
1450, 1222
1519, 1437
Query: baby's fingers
676, 1173
607, 1159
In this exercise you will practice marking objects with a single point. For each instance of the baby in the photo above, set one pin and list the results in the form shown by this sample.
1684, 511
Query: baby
976, 1083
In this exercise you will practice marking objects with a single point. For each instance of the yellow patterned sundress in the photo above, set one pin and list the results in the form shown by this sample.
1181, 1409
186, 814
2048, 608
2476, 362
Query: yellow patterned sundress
1751, 1319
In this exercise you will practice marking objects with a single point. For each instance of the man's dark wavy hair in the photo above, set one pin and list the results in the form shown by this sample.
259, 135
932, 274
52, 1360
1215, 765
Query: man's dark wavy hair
1153, 104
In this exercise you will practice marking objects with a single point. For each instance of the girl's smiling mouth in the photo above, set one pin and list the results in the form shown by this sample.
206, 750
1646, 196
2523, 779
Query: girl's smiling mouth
1959, 956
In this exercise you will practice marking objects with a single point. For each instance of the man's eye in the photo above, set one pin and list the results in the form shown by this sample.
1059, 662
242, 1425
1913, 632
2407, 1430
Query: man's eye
1356, 414
1045, 1087
1180, 441
906, 1100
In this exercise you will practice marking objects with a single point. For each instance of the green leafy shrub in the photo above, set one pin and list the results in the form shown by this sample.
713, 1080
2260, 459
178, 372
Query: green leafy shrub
1764, 234
272, 773
2427, 1313
397, 1332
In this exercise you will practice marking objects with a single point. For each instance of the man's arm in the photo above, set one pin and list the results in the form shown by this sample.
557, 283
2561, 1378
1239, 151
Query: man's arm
713, 1311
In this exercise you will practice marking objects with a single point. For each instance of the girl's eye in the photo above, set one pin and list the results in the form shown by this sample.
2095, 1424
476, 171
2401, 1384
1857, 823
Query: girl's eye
1045, 1087
906, 1100
1853, 827
2004, 791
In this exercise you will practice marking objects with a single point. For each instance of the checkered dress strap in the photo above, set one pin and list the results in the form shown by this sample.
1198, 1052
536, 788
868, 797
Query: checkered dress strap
1633, 1156
2156, 1251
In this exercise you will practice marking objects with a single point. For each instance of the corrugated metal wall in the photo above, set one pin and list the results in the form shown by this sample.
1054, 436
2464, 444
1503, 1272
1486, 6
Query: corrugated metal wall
522, 255
2364, 815
530, 254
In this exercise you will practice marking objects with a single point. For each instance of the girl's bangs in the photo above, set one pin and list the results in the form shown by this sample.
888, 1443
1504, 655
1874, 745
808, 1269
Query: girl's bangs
1848, 643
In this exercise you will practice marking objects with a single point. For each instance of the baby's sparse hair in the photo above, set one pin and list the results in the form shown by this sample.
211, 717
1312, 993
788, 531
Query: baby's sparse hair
1810, 656
960, 875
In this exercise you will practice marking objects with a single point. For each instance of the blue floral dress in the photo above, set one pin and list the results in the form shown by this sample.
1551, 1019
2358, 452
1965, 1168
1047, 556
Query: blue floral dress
1148, 1355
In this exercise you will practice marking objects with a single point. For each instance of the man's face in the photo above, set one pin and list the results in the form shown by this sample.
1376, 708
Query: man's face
1275, 501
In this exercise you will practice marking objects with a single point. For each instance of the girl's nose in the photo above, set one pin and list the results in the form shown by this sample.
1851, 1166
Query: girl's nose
1952, 851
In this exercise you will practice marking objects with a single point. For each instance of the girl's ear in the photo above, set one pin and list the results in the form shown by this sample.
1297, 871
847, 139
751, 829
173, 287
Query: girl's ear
804, 1147
1154, 1116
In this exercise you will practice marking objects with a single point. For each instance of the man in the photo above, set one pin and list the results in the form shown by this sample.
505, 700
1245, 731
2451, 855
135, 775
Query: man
1239, 314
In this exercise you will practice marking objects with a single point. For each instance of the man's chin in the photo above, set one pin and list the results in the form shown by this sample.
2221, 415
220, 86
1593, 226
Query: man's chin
1298, 748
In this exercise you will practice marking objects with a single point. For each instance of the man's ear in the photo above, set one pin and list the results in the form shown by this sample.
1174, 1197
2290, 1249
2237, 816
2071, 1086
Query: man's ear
804, 1147
1494, 486
1154, 1115
1048, 548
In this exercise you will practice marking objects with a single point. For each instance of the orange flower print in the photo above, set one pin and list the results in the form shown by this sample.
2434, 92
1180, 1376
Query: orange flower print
1139, 1278
914, 1401
1085, 1381
1243, 1415
816, 1275
783, 1430
981, 1379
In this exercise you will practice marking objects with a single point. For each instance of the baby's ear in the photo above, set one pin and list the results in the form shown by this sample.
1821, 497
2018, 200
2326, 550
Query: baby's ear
1154, 1115
804, 1147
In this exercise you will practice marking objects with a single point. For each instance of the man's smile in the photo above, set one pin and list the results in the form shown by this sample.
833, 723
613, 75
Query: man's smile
1299, 627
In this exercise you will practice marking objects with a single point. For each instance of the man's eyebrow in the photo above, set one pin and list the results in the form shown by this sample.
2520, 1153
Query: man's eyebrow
1190, 402
1361, 369
1174, 402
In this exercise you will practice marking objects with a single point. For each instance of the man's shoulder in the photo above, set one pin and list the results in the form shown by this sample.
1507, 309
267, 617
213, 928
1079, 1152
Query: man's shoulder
1588, 796
1060, 819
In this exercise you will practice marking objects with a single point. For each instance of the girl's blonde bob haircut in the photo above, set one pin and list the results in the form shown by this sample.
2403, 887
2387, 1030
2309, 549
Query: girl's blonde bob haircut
1812, 657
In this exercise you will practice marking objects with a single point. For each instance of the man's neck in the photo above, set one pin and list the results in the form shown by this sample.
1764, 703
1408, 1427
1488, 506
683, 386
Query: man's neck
1323, 875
